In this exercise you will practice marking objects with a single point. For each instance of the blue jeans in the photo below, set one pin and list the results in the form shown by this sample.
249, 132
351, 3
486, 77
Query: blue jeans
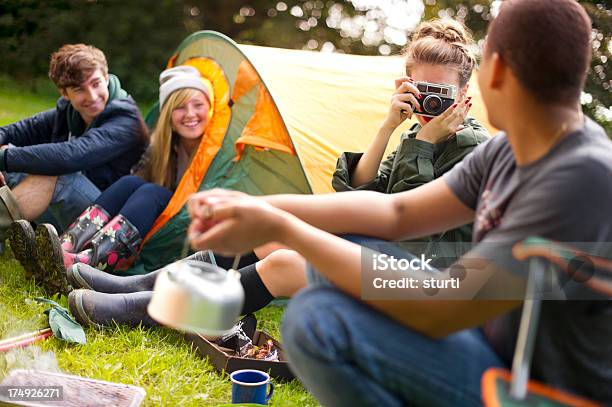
348, 354
72, 195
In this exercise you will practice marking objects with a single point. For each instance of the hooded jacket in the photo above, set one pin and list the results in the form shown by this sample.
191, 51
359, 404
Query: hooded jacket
57, 141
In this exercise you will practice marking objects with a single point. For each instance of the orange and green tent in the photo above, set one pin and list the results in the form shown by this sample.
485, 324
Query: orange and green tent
281, 119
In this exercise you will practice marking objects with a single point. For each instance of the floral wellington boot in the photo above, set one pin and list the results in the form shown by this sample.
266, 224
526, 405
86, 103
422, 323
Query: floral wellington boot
79, 233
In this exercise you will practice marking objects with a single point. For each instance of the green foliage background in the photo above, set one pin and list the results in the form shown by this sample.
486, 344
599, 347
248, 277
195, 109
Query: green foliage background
138, 36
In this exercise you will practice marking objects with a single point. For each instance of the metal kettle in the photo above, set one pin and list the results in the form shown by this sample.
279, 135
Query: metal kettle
198, 297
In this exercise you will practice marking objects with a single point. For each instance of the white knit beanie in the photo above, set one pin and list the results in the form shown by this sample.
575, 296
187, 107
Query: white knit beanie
180, 77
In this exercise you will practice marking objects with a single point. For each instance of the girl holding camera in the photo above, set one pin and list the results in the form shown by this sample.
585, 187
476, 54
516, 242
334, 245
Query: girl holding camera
439, 53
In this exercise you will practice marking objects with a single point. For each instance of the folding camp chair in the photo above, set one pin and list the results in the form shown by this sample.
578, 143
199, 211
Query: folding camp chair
502, 388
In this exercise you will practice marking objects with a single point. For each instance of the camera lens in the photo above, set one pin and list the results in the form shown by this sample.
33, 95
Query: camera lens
432, 104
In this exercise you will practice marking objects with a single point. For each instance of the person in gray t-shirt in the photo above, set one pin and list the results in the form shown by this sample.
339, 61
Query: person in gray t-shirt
548, 174
565, 195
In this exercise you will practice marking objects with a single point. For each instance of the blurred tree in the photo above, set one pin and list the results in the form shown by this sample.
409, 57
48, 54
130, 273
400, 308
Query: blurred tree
597, 101
139, 35
136, 37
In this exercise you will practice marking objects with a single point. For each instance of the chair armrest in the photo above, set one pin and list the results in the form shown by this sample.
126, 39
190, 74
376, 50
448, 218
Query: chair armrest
595, 271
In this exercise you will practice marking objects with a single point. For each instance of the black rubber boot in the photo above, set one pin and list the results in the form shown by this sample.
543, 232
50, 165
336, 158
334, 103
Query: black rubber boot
100, 310
23, 244
49, 257
82, 275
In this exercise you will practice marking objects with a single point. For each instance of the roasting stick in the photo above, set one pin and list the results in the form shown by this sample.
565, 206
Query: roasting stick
24, 340
24, 336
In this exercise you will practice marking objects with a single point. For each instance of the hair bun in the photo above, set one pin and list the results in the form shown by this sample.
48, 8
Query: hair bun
444, 29
442, 42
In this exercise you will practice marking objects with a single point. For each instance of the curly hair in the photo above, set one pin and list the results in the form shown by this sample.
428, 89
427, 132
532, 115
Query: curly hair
72, 64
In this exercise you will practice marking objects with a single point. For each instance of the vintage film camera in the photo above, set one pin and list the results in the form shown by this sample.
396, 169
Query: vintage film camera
435, 98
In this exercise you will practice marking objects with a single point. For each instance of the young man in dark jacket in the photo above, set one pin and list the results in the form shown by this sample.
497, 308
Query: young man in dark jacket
58, 161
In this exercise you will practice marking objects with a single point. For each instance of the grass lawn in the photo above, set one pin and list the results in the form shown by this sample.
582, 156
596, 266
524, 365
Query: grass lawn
159, 360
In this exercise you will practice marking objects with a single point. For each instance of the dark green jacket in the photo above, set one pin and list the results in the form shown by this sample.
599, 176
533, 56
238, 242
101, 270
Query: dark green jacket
412, 164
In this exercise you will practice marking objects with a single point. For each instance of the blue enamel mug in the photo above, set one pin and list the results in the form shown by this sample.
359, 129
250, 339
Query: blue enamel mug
250, 386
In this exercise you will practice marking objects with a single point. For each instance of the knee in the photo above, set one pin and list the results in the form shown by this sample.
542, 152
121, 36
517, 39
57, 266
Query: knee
283, 259
130, 181
314, 324
160, 194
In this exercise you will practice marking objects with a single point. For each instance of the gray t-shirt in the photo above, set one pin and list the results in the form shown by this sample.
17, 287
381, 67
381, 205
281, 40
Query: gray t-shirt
565, 196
